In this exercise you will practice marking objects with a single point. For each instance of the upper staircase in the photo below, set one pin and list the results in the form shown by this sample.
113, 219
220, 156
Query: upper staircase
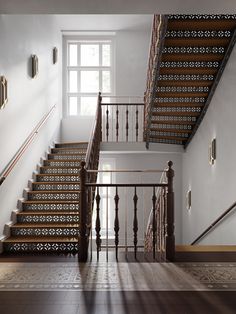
47, 219
188, 55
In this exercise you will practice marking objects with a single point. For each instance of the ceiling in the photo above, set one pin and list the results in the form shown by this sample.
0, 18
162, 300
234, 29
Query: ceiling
116, 6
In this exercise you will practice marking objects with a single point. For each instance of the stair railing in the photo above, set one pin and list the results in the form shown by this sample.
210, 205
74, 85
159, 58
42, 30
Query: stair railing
86, 200
157, 41
86, 187
12, 163
214, 223
122, 118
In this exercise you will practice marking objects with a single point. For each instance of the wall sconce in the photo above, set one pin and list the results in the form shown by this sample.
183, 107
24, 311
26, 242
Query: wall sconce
3, 92
212, 152
54, 55
35, 65
189, 199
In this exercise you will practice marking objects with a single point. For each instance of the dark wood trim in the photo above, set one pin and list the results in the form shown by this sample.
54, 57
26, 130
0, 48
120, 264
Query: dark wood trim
213, 87
126, 184
215, 222
7, 170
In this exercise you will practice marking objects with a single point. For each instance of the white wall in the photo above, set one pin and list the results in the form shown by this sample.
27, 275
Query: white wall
29, 99
131, 57
144, 160
213, 187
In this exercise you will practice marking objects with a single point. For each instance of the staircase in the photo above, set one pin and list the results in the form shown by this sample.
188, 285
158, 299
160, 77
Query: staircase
47, 219
187, 58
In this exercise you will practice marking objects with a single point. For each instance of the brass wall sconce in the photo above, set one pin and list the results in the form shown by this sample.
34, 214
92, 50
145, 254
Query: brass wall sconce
3, 92
212, 152
54, 55
35, 65
189, 199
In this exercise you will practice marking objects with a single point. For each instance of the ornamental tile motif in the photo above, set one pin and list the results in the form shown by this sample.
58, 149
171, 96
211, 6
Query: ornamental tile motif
194, 50
202, 16
197, 34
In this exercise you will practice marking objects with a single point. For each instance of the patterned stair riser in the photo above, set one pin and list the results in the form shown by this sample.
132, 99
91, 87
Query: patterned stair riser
42, 248
57, 178
51, 207
68, 151
58, 163
71, 219
45, 231
66, 156
59, 170
56, 187
53, 196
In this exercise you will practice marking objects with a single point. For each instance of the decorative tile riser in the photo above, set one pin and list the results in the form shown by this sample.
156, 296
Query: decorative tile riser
177, 109
58, 178
68, 151
201, 17
70, 157
42, 248
79, 146
45, 232
72, 219
57, 187
59, 170
54, 196
51, 207
53, 163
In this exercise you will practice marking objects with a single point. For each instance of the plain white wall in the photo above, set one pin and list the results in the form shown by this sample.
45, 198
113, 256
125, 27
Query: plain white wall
29, 99
131, 57
144, 160
213, 187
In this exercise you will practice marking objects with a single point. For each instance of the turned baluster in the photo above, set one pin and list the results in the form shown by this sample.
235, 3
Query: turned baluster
98, 224
116, 222
135, 223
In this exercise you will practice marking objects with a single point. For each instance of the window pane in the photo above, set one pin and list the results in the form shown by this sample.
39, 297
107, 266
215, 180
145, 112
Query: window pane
89, 55
73, 55
73, 81
89, 81
73, 106
106, 55
106, 81
88, 105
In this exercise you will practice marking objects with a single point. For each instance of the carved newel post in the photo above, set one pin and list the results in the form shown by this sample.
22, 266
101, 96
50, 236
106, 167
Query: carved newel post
170, 237
83, 237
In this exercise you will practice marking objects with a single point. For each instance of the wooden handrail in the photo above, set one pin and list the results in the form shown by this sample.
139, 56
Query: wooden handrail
11, 164
215, 222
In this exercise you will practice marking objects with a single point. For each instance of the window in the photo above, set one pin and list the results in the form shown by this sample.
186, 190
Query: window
89, 69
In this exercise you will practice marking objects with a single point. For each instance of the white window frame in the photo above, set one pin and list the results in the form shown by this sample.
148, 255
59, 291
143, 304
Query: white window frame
82, 39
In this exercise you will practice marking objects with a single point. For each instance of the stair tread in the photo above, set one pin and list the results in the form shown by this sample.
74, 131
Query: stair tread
59, 167
56, 174
71, 143
40, 239
205, 248
55, 182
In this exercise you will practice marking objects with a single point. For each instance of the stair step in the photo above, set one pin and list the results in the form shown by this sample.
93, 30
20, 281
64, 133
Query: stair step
205, 24
57, 178
68, 150
59, 170
53, 196
205, 248
66, 156
62, 163
45, 230
48, 217
176, 113
191, 57
72, 145
188, 71
50, 205
41, 245
197, 42
56, 186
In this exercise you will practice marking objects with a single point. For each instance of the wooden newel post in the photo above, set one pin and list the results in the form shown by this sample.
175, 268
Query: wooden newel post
170, 236
83, 237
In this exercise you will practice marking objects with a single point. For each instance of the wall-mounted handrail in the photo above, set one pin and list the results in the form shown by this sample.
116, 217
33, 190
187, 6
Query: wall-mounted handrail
132, 170
11, 164
214, 223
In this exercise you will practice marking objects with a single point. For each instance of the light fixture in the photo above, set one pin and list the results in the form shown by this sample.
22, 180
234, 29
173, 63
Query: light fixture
189, 199
54, 55
35, 65
212, 152
3, 92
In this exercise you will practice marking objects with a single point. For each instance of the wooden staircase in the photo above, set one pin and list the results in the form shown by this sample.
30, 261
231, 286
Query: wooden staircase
187, 58
47, 219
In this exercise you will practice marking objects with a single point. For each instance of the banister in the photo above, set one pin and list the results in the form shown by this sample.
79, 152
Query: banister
214, 223
11, 164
